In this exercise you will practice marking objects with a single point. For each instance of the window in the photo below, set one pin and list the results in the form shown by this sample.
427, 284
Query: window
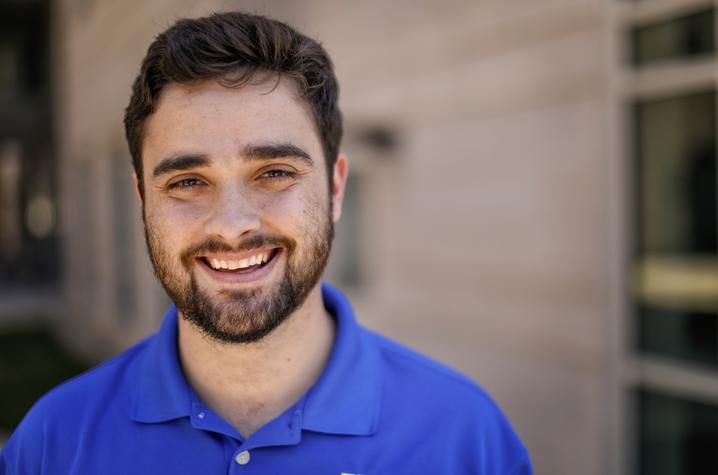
676, 223
673, 38
678, 435
669, 376
28, 237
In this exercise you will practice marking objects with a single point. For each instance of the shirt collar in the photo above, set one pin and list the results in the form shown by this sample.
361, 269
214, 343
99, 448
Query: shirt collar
162, 392
345, 399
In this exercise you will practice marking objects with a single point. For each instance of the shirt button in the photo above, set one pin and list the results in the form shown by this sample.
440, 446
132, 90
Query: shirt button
201, 415
242, 458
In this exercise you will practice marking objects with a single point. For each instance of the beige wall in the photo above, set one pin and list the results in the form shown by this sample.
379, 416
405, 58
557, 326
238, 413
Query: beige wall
486, 232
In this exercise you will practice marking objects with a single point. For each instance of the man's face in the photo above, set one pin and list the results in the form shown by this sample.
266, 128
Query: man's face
238, 217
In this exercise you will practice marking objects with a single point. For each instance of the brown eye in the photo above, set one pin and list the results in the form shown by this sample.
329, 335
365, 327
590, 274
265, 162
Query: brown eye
279, 174
185, 183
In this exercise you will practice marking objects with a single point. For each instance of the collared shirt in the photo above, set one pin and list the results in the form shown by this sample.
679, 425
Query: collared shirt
378, 408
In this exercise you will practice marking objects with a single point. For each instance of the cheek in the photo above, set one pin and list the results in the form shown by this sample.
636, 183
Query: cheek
169, 227
174, 218
157, 233
301, 210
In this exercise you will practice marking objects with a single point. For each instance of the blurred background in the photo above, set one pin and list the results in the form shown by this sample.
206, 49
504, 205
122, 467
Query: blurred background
532, 200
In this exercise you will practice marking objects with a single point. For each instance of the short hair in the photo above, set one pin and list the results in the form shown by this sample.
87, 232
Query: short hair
232, 48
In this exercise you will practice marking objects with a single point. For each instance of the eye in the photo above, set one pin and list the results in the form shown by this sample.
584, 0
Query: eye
278, 174
184, 184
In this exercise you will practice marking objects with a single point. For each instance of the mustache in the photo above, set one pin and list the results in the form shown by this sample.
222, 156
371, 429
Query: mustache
210, 246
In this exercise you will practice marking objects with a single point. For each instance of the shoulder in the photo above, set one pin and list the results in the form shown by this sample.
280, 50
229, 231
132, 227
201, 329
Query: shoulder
97, 392
426, 396
106, 380
414, 370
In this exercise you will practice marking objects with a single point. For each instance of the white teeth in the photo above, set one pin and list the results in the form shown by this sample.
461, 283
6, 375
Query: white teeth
241, 264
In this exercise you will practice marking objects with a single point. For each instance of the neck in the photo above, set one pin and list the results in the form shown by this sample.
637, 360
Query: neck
250, 384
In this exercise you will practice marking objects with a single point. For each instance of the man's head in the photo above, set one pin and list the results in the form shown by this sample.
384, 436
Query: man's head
234, 131
233, 48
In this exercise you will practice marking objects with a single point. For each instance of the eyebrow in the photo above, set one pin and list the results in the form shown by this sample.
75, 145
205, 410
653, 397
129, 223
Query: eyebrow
250, 152
276, 150
180, 162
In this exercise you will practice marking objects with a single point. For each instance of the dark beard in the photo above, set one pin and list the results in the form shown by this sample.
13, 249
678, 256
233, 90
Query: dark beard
243, 316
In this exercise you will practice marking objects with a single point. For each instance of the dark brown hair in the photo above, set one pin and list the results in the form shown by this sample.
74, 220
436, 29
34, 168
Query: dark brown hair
232, 48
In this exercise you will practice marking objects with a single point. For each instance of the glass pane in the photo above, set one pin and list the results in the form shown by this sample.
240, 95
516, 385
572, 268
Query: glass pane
9, 71
676, 150
676, 268
29, 243
684, 334
684, 37
676, 436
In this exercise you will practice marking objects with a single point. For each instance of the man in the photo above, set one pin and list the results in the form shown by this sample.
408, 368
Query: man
234, 131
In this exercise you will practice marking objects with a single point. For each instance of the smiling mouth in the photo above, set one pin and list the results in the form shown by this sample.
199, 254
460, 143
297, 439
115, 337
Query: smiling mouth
240, 266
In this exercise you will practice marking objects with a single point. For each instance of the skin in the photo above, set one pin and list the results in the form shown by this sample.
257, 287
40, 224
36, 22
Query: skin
231, 198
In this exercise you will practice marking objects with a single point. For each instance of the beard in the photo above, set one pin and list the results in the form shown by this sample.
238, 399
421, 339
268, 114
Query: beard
242, 316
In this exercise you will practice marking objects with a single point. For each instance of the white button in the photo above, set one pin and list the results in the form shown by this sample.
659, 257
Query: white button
201, 415
242, 458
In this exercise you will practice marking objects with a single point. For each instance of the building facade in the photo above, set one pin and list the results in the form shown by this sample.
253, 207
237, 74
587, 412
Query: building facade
532, 200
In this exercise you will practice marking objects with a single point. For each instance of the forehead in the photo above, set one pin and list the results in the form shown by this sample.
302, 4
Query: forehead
206, 117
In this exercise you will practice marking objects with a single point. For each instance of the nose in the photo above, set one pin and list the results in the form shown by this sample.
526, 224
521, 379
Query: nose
234, 215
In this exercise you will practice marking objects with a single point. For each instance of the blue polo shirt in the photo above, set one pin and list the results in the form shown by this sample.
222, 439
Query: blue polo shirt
377, 409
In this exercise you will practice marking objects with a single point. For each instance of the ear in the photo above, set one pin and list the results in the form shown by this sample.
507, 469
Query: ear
138, 195
339, 184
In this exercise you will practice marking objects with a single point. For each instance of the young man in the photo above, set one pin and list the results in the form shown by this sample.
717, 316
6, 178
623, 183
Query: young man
234, 131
